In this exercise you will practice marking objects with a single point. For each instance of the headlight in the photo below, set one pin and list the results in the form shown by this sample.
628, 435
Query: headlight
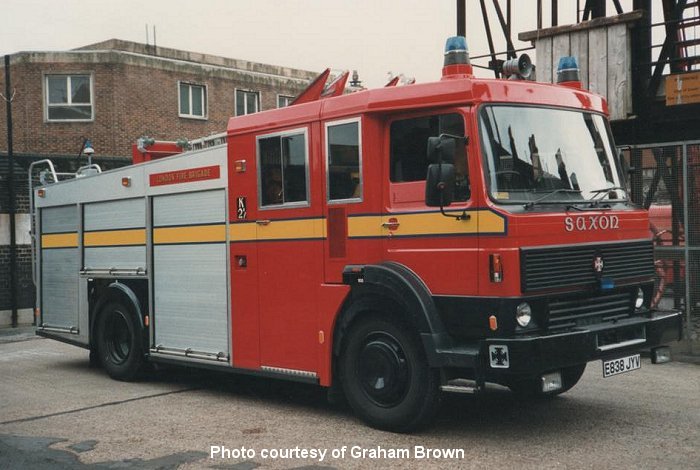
640, 298
523, 314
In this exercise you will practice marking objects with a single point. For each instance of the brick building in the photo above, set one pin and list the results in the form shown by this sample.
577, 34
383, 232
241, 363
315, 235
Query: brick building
112, 93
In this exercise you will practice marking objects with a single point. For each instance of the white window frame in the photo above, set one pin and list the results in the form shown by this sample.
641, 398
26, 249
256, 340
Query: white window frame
205, 102
328, 124
258, 101
287, 97
284, 205
68, 75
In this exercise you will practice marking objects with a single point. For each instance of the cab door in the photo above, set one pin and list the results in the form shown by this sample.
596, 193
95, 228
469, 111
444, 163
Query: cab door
289, 235
440, 249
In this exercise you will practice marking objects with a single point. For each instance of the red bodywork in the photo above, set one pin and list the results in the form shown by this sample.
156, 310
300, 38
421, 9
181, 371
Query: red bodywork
286, 299
157, 150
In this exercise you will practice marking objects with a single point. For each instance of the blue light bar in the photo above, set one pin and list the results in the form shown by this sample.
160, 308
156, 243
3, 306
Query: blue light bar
456, 44
568, 70
456, 52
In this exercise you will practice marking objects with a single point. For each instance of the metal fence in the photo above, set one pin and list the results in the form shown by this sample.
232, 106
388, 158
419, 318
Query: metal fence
665, 179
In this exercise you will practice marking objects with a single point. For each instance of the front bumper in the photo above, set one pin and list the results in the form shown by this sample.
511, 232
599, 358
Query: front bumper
497, 359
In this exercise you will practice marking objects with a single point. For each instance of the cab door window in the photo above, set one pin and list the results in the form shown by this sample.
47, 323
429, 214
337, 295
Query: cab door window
344, 162
283, 176
409, 144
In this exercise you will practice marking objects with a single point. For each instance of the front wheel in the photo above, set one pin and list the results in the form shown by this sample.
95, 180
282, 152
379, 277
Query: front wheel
532, 386
119, 342
386, 377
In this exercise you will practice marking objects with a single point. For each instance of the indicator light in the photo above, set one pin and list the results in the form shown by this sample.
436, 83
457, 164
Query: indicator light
126, 181
41, 192
493, 323
496, 267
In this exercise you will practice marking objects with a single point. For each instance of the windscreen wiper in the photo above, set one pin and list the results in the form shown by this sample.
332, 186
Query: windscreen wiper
532, 204
599, 194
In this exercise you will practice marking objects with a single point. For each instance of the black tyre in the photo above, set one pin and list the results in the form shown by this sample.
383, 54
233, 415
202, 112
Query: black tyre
120, 342
532, 387
386, 377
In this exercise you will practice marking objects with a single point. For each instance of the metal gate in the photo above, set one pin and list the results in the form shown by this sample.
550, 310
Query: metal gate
665, 179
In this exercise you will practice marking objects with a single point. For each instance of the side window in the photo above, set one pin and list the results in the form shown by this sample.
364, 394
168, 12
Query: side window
282, 169
343, 161
409, 145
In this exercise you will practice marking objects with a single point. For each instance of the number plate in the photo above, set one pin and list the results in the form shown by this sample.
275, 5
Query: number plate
621, 365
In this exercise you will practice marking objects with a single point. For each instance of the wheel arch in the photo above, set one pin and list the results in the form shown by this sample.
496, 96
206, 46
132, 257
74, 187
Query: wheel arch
116, 291
401, 290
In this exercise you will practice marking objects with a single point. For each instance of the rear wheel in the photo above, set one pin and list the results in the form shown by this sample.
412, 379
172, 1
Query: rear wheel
386, 377
532, 386
119, 342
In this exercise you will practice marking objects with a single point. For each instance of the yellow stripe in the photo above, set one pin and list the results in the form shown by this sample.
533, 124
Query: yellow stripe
490, 222
242, 232
292, 229
366, 226
135, 236
194, 234
427, 224
59, 240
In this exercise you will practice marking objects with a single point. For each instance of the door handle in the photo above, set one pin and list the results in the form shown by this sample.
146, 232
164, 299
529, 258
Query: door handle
263, 222
391, 224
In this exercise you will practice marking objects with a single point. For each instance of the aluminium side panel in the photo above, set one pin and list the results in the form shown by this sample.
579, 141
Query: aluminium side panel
190, 286
59, 267
115, 235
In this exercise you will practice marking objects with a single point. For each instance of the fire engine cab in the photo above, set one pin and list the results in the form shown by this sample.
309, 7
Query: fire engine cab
391, 244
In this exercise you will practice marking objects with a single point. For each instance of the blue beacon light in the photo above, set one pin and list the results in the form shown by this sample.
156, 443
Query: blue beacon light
456, 61
568, 70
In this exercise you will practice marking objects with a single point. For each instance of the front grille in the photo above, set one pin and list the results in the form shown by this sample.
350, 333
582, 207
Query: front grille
569, 266
581, 311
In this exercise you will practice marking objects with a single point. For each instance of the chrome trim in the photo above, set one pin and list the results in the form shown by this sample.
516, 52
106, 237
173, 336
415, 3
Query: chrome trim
623, 344
190, 353
281, 370
74, 330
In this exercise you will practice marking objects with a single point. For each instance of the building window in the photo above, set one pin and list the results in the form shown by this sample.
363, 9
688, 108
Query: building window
284, 101
343, 160
247, 102
283, 169
193, 100
69, 98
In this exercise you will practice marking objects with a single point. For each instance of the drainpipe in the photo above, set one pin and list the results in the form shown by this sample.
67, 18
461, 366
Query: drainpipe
11, 191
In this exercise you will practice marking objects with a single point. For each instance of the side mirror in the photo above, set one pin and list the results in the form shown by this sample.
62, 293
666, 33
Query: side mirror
626, 167
441, 149
440, 184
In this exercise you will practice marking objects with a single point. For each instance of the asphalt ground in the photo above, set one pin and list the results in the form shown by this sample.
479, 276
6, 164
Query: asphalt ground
57, 412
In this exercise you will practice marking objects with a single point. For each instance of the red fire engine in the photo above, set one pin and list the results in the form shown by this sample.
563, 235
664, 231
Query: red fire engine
390, 244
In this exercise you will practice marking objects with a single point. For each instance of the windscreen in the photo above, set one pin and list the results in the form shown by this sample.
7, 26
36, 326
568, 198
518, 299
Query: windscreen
548, 155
